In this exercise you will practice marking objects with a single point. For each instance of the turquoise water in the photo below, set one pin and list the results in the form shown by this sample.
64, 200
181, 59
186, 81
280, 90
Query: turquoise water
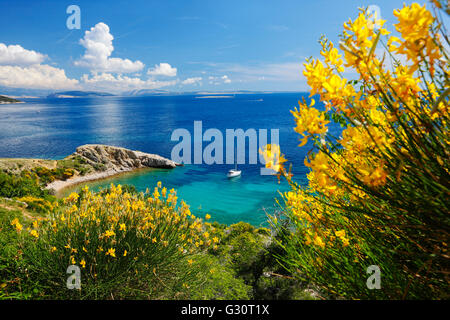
226, 200
53, 128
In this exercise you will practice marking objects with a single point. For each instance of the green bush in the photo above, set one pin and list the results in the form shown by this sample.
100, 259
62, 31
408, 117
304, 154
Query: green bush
127, 246
19, 186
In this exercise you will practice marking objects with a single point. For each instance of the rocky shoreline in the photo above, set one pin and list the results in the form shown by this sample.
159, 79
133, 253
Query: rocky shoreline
107, 161
7, 100
59, 185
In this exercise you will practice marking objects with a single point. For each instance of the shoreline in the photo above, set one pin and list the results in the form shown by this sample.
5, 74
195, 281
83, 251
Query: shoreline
90, 162
107, 161
11, 102
57, 186
62, 186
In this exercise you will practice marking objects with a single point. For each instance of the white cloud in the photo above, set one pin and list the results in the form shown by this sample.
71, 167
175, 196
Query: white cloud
163, 69
120, 83
226, 79
18, 56
285, 72
36, 77
219, 80
98, 44
193, 80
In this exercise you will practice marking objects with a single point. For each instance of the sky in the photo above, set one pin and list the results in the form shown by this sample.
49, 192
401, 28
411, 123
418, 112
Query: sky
177, 45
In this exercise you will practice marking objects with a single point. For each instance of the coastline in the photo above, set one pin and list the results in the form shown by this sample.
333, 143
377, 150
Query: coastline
57, 186
11, 102
62, 188
89, 163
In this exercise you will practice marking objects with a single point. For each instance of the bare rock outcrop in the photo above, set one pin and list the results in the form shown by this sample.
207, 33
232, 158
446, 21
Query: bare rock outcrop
105, 161
121, 159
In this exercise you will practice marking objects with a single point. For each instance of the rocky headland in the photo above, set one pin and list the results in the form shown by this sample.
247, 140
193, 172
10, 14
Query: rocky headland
5, 100
89, 162
105, 161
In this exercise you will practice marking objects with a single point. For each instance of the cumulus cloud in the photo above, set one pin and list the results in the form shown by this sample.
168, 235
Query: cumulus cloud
98, 44
18, 56
219, 80
35, 77
193, 80
120, 83
226, 79
163, 69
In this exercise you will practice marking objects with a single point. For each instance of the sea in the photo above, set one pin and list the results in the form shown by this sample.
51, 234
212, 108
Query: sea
52, 128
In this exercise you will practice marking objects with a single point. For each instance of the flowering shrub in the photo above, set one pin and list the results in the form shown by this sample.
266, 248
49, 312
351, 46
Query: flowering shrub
379, 193
126, 245
37, 204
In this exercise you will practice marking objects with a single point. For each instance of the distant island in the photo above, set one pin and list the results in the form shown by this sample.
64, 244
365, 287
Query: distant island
4, 100
79, 94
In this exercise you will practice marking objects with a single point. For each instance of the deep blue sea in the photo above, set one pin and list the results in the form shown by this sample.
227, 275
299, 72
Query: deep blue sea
53, 128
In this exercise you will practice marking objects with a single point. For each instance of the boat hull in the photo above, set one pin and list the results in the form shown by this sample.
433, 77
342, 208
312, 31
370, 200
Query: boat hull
233, 173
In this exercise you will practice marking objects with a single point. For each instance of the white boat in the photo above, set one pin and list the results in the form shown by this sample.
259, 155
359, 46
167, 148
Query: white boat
234, 172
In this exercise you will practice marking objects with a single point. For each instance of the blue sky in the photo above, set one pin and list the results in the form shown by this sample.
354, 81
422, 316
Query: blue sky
214, 45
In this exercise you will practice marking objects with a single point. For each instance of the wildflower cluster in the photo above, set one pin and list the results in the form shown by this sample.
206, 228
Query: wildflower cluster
117, 237
378, 194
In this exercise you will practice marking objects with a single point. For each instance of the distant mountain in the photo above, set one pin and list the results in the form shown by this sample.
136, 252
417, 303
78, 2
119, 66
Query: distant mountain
4, 99
23, 92
147, 92
76, 94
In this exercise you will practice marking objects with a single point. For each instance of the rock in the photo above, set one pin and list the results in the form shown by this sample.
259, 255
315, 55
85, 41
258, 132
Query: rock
120, 159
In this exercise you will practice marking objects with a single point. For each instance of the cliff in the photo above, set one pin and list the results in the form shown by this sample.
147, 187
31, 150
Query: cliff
102, 161
120, 159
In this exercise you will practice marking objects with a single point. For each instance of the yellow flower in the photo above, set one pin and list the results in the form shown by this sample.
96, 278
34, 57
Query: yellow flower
111, 252
109, 233
125, 253
72, 197
345, 241
34, 234
122, 227
414, 23
52, 249
318, 242
16, 224
190, 261
83, 263
273, 158
207, 217
340, 233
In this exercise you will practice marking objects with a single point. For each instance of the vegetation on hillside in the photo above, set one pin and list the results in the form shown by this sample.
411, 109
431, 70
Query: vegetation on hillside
132, 245
5, 99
